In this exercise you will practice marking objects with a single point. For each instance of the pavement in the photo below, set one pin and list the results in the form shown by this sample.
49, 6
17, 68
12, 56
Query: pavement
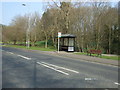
38, 69
82, 57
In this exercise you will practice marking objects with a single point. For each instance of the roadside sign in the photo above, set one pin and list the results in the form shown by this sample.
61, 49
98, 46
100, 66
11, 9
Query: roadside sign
59, 34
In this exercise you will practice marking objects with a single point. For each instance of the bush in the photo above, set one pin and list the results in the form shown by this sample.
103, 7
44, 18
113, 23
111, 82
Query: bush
50, 43
40, 43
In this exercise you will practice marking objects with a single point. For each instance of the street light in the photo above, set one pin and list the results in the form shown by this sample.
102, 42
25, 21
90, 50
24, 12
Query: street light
24, 4
28, 31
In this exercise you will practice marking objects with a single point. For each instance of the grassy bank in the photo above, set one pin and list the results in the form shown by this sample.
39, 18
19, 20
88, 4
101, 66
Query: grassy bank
53, 49
102, 56
33, 48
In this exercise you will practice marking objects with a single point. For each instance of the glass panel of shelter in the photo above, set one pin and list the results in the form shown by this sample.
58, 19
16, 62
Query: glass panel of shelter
65, 41
71, 42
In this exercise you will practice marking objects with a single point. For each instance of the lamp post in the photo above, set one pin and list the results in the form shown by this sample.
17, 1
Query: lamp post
27, 32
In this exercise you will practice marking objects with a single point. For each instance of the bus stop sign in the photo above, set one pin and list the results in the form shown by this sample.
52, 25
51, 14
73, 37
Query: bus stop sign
59, 34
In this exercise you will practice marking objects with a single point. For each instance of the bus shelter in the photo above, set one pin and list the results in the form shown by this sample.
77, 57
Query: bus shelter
67, 42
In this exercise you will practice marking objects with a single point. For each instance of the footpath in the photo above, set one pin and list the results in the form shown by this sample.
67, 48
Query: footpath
82, 57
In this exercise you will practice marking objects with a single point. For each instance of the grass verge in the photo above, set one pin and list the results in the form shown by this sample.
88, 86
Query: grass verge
53, 49
33, 48
105, 57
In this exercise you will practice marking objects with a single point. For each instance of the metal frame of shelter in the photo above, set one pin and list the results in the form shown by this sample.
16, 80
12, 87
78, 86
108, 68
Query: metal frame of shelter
67, 42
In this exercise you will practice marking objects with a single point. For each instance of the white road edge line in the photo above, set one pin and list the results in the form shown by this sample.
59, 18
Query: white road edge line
101, 63
116, 83
24, 57
53, 68
61, 67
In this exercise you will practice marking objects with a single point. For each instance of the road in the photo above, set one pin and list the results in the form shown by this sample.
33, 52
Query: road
28, 69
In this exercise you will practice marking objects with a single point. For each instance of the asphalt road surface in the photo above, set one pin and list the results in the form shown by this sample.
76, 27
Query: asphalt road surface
28, 69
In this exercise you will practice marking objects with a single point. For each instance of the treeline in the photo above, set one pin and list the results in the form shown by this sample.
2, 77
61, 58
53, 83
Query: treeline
95, 25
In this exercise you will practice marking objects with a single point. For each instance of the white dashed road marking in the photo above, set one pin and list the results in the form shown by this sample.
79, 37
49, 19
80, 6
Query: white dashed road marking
10, 52
52, 68
116, 83
90, 79
24, 57
60, 67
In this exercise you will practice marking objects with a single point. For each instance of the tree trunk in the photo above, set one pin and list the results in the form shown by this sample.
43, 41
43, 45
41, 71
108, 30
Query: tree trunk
82, 44
33, 44
14, 42
53, 40
109, 40
98, 41
46, 39
35, 39
46, 43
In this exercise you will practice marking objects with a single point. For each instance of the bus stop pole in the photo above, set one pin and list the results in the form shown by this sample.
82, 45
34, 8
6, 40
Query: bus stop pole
59, 35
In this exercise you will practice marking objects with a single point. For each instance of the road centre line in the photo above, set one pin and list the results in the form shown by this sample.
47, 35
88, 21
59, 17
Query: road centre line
10, 52
20, 56
24, 57
61, 67
90, 79
53, 68
116, 83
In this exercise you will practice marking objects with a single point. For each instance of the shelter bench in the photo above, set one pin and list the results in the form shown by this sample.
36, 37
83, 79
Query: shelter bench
98, 52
